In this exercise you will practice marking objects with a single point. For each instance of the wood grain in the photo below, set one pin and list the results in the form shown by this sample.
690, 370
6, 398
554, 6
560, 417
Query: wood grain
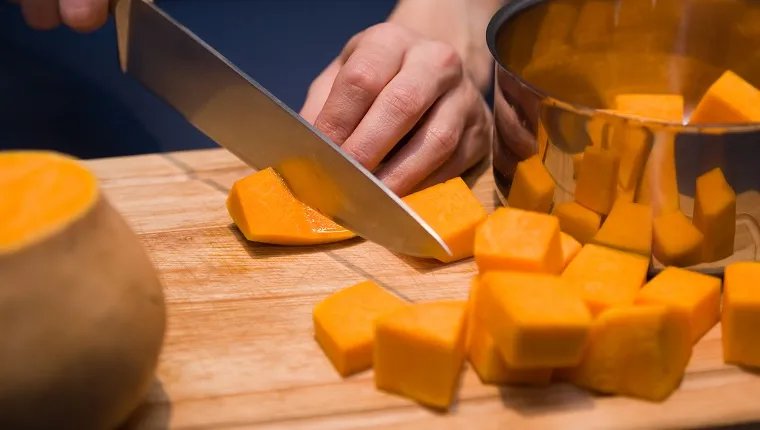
239, 351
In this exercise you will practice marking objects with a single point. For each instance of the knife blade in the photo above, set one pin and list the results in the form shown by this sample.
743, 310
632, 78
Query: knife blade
240, 115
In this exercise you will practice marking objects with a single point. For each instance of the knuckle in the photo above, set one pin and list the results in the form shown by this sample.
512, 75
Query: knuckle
446, 56
404, 101
361, 154
362, 77
333, 127
443, 140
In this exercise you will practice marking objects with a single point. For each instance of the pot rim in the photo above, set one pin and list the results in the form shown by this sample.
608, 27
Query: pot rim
508, 11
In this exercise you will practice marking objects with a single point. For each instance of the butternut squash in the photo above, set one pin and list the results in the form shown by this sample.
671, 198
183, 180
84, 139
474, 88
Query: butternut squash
675, 240
577, 162
419, 352
628, 227
535, 319
625, 195
715, 215
514, 239
659, 185
596, 21
696, 294
577, 221
344, 324
81, 305
542, 140
637, 351
597, 179
557, 24
570, 248
740, 317
632, 146
730, 99
265, 210
596, 129
452, 211
532, 188
483, 354
605, 278
664, 107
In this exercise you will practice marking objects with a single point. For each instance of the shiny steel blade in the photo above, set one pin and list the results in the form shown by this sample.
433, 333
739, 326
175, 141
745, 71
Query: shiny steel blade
243, 117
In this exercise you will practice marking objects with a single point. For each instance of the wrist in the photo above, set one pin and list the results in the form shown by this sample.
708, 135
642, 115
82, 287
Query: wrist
460, 23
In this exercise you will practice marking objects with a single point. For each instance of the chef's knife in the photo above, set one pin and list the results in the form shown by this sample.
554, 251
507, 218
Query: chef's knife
240, 115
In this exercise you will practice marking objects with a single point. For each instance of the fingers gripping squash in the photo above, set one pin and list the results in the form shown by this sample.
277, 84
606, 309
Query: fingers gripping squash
81, 307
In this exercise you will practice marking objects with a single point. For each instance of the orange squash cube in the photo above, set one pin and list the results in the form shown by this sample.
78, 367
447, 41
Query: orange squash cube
570, 248
730, 99
694, 293
675, 240
514, 239
632, 146
542, 140
628, 227
483, 354
344, 324
639, 351
625, 195
577, 221
532, 187
597, 179
740, 317
419, 352
577, 161
665, 107
265, 210
452, 211
535, 319
659, 182
715, 215
605, 278
597, 132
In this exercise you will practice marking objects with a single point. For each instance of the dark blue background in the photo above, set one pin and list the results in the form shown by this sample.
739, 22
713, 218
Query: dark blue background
63, 90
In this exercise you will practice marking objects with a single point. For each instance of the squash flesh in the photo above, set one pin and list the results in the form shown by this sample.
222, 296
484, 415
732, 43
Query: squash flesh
344, 324
265, 210
451, 210
419, 352
42, 192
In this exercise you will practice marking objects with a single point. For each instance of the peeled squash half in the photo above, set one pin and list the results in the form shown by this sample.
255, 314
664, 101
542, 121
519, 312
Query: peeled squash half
82, 314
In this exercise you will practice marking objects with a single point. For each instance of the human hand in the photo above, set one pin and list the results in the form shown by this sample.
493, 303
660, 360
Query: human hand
389, 83
81, 15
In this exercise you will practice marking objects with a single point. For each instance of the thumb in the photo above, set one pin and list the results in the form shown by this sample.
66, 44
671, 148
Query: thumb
318, 92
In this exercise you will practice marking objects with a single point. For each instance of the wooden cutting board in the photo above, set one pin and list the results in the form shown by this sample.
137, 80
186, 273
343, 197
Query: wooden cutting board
239, 351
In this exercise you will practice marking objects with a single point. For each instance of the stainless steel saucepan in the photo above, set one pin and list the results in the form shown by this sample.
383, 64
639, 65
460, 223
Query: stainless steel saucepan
560, 64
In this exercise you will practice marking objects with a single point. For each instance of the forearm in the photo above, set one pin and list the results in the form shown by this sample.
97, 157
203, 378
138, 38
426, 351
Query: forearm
461, 23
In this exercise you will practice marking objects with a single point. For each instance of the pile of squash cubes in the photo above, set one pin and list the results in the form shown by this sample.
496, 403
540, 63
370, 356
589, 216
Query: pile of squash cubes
561, 292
